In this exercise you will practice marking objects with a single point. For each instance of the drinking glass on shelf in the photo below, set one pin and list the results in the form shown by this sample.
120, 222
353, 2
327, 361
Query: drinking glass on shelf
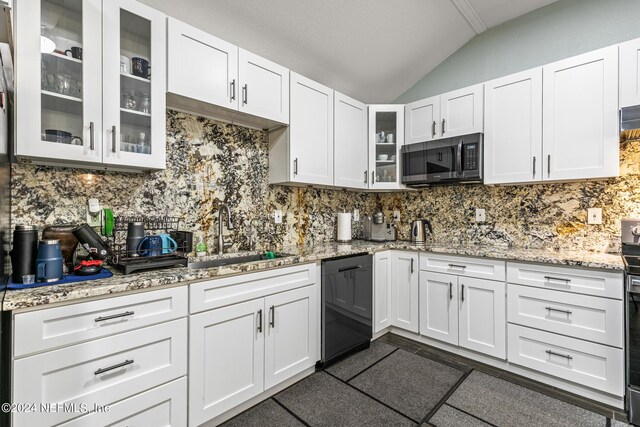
63, 84
145, 103
129, 100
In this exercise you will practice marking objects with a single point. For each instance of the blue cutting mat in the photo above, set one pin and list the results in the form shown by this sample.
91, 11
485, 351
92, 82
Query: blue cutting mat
70, 278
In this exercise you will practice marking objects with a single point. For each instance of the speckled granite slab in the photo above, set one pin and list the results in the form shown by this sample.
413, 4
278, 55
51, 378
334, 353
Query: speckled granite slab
299, 254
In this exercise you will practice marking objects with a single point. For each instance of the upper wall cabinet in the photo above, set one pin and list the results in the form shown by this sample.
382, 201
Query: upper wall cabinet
455, 113
580, 116
350, 166
513, 128
386, 137
630, 73
75, 104
211, 71
303, 152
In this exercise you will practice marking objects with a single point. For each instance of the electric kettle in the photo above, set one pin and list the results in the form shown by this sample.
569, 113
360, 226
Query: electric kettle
418, 234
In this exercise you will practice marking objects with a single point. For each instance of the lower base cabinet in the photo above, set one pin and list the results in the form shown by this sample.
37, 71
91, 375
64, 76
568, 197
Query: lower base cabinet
238, 351
381, 291
404, 290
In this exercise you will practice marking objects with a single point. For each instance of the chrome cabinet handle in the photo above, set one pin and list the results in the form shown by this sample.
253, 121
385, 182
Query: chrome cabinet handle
366, 175
450, 290
113, 316
92, 136
566, 356
568, 312
111, 368
260, 320
295, 166
534, 166
272, 315
462, 294
443, 126
560, 279
549, 165
245, 90
232, 88
113, 138
411, 265
433, 129
373, 177
463, 267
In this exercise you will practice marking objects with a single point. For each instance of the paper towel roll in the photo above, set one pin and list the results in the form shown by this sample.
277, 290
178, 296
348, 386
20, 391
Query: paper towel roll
344, 227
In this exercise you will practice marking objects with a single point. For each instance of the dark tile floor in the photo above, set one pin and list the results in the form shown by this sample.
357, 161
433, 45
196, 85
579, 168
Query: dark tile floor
399, 382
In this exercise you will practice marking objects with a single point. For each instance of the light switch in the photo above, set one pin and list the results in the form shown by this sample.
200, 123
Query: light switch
480, 215
277, 217
594, 216
356, 214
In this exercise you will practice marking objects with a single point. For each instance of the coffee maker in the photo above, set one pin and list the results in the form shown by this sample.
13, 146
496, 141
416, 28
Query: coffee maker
377, 229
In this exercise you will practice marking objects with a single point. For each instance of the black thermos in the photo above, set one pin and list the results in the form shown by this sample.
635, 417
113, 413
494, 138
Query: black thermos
24, 252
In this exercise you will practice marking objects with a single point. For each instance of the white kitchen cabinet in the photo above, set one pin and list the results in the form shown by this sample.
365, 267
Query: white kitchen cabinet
439, 306
404, 290
580, 116
422, 120
382, 278
350, 145
461, 111
513, 128
226, 358
630, 73
112, 119
209, 70
482, 319
386, 137
303, 152
291, 334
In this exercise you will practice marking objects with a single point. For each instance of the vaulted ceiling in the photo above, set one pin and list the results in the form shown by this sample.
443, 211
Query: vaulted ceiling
371, 50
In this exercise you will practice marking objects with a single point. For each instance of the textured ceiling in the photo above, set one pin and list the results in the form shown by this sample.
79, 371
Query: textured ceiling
371, 50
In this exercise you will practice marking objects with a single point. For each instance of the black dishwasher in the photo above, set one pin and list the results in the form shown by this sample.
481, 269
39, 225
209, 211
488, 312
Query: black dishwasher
347, 306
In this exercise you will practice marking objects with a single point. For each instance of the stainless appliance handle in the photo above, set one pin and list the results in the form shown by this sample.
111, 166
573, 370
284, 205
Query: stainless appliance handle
462, 294
113, 316
245, 90
569, 312
260, 320
560, 279
113, 138
459, 158
534, 166
111, 368
295, 166
433, 129
233, 89
92, 136
411, 265
355, 267
463, 267
442, 126
366, 176
272, 315
566, 356
450, 290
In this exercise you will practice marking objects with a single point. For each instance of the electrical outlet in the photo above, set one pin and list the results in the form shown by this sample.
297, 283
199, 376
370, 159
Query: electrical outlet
594, 216
396, 216
277, 217
480, 215
356, 214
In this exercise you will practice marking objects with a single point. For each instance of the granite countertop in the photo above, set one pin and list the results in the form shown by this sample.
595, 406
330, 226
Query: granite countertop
298, 254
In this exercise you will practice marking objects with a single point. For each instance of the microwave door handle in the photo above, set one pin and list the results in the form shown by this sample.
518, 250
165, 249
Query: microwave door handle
459, 158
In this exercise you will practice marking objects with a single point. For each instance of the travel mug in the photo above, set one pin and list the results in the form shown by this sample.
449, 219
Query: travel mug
49, 261
91, 241
24, 252
135, 234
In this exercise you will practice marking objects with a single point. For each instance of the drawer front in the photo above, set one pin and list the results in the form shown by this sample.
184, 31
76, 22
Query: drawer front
600, 283
592, 365
162, 406
100, 372
71, 324
589, 318
482, 268
231, 290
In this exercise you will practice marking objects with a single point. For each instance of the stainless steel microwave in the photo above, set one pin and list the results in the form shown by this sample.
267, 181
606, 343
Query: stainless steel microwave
446, 161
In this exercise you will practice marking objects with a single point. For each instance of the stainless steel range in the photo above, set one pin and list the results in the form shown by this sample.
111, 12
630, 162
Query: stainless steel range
631, 256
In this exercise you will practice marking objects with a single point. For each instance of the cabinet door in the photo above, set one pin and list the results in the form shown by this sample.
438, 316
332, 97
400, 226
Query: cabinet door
461, 112
58, 97
482, 324
226, 359
382, 290
201, 66
291, 334
422, 120
264, 87
580, 116
513, 128
134, 97
350, 143
311, 132
404, 290
439, 306
386, 137
630, 73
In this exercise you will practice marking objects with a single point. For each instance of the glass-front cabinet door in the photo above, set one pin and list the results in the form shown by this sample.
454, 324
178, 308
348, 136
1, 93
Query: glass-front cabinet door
59, 80
134, 70
386, 137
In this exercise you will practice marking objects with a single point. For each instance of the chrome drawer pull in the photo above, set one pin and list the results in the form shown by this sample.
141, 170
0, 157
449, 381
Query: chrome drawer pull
113, 316
463, 267
559, 279
568, 312
260, 320
111, 368
566, 356
272, 312
450, 290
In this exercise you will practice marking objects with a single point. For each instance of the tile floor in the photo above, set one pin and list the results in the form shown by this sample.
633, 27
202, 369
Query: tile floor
399, 382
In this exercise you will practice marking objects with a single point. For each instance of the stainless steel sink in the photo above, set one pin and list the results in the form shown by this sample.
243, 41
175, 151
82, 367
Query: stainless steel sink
234, 260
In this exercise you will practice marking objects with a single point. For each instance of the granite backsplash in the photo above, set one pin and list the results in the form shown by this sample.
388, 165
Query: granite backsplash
208, 161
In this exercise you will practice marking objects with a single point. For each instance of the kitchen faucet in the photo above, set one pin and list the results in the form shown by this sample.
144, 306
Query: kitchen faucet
221, 243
